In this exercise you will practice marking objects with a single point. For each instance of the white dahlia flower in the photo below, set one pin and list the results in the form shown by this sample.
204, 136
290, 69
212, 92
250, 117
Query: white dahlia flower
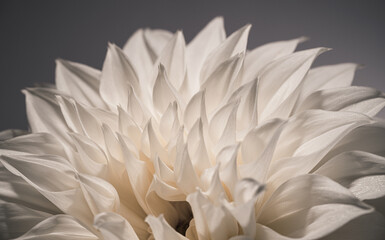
199, 141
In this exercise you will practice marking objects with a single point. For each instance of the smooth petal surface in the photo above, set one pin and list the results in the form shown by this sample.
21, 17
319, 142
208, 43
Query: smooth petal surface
117, 75
261, 56
201, 46
59, 227
309, 207
80, 81
114, 227
161, 229
348, 167
355, 99
280, 81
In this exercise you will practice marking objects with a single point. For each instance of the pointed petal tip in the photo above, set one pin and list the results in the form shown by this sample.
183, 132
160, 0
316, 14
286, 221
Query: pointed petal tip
303, 39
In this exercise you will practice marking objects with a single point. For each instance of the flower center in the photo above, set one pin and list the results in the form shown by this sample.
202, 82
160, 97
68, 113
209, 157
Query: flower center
185, 216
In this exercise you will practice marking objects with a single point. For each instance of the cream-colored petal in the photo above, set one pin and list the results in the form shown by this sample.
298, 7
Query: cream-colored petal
209, 38
15, 189
355, 99
236, 43
280, 81
139, 54
351, 168
327, 77
34, 143
17, 219
197, 148
117, 75
310, 207
169, 123
163, 92
261, 56
156, 40
100, 195
173, 59
59, 227
80, 81
220, 81
185, 175
40, 103
39, 170
11, 133
195, 109
212, 222
227, 159
162, 230
114, 227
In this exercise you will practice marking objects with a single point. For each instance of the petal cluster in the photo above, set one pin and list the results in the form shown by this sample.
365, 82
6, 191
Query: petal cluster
204, 140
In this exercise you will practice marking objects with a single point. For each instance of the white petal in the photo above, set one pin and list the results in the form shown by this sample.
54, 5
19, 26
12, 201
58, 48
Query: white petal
213, 185
169, 123
355, 99
15, 189
80, 81
259, 57
348, 167
100, 195
156, 40
199, 48
92, 160
227, 158
114, 227
310, 207
173, 59
236, 43
186, 177
166, 191
212, 222
222, 119
247, 189
128, 127
39, 170
139, 55
219, 82
197, 147
11, 133
16, 219
163, 92
279, 83
35, 143
161, 229
243, 207
41, 103
60, 227
319, 132
257, 139
367, 138
117, 75
137, 109
258, 167
327, 77
138, 175
195, 109
247, 115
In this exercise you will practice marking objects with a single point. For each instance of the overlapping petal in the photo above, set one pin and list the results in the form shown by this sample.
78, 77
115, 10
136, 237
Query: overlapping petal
199, 140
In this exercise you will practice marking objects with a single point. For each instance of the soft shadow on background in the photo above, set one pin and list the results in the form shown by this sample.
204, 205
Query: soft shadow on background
34, 33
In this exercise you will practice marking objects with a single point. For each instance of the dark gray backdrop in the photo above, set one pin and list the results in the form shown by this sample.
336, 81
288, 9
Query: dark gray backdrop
34, 33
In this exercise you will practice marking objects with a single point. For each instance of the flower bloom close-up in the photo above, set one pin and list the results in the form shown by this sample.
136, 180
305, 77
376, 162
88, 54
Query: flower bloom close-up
200, 140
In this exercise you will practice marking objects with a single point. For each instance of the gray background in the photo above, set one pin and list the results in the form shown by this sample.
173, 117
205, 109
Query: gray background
34, 33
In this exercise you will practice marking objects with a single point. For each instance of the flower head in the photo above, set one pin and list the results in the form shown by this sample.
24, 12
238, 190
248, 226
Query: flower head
197, 141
